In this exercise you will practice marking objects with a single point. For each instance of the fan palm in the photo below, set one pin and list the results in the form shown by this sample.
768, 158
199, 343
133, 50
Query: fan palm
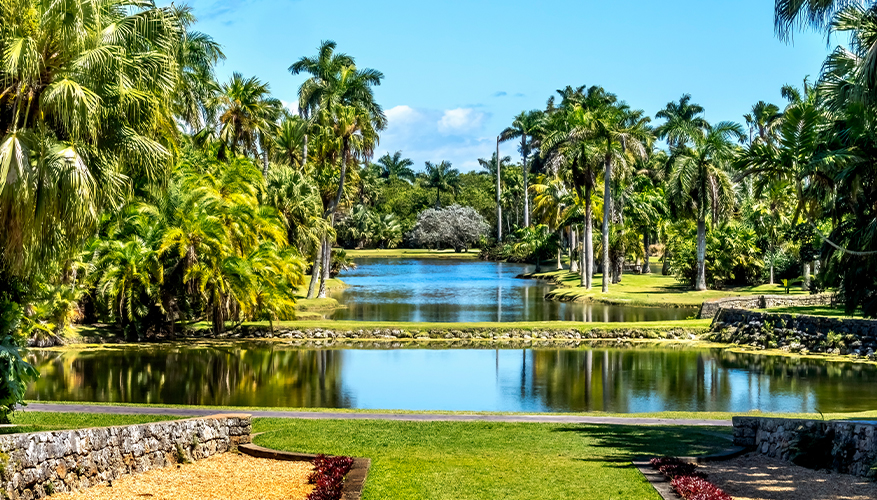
700, 186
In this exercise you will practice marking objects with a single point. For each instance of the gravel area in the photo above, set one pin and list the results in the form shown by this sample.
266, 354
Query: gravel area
221, 477
756, 477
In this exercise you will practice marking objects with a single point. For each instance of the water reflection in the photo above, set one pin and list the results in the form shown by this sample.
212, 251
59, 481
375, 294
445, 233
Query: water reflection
593, 379
467, 291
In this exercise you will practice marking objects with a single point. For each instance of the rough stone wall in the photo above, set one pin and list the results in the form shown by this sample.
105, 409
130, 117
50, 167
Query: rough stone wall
853, 444
796, 333
41, 463
710, 307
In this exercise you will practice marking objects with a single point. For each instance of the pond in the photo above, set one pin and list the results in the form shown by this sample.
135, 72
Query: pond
433, 290
596, 378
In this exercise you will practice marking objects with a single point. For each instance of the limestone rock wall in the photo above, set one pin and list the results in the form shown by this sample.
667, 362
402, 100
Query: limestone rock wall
711, 307
853, 445
796, 333
41, 463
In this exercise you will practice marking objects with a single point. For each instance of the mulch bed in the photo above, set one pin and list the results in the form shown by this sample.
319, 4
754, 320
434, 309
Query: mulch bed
221, 477
756, 477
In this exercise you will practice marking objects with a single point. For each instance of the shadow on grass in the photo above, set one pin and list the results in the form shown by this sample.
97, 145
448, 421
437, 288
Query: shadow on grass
619, 444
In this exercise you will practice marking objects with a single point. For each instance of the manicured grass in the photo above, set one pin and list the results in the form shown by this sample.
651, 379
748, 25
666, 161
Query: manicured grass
646, 290
312, 309
668, 415
34, 421
477, 460
814, 311
412, 253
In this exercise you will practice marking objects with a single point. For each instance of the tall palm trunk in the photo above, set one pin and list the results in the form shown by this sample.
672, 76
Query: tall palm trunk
665, 265
304, 153
607, 213
805, 285
588, 267
526, 182
700, 284
647, 268
327, 267
315, 273
327, 245
560, 249
573, 243
438, 198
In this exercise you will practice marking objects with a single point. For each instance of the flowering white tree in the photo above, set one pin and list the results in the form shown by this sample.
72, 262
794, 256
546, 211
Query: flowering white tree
452, 227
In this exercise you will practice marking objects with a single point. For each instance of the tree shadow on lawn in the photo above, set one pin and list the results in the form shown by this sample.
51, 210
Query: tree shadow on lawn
621, 444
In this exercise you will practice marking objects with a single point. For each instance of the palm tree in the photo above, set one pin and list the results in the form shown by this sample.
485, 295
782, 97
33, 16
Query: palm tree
700, 186
130, 277
395, 167
82, 116
289, 140
248, 116
197, 56
524, 127
684, 122
763, 121
441, 177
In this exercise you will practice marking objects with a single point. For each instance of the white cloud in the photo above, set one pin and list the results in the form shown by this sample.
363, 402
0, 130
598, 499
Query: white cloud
402, 114
291, 106
460, 120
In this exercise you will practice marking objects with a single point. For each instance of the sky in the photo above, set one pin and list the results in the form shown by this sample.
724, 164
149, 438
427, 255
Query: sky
458, 72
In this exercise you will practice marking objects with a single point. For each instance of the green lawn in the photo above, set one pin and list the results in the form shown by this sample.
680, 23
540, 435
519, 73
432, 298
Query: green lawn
34, 421
814, 311
647, 290
312, 309
412, 253
476, 460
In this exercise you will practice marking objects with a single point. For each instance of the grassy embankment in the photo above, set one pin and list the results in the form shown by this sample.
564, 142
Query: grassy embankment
313, 309
654, 290
815, 311
411, 253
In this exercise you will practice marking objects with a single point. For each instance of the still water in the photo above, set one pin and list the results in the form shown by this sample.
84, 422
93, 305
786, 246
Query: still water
635, 379
432, 290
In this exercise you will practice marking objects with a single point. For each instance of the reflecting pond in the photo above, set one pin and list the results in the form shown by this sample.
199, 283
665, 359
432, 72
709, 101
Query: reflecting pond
596, 378
433, 290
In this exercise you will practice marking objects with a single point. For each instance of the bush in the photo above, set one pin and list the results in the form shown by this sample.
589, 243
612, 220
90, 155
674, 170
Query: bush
698, 488
452, 227
732, 255
328, 477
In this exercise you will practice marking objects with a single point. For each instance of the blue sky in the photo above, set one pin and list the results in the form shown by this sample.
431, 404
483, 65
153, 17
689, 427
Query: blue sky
456, 73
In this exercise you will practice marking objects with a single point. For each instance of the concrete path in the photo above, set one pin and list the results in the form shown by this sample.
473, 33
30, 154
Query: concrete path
415, 417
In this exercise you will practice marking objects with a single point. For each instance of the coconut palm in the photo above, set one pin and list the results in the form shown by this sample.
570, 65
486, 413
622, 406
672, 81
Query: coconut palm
700, 186
762, 121
395, 167
441, 177
524, 127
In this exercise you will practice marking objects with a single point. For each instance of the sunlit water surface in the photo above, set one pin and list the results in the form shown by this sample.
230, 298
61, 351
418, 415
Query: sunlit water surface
610, 379
433, 290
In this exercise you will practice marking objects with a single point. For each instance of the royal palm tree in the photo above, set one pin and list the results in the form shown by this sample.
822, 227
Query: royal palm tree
524, 127
395, 167
700, 186
684, 122
762, 121
441, 177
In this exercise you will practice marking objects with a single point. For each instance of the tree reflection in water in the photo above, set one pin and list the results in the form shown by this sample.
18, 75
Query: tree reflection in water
602, 377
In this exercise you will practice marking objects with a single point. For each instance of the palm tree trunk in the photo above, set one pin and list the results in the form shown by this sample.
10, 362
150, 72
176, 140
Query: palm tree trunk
647, 269
573, 242
607, 213
526, 182
805, 285
560, 250
265, 164
304, 154
665, 265
327, 268
438, 198
771, 272
315, 273
588, 267
700, 284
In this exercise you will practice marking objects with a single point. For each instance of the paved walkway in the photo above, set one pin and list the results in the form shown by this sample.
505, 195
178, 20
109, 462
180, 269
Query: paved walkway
416, 417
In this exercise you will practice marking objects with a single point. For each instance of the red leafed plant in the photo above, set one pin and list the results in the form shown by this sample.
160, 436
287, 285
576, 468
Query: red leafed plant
687, 481
328, 477
698, 488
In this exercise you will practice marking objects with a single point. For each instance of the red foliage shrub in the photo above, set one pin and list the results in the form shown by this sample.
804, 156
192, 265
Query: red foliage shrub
328, 477
697, 488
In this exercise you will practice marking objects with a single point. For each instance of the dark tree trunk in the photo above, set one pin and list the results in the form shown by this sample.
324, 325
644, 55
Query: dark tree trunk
700, 284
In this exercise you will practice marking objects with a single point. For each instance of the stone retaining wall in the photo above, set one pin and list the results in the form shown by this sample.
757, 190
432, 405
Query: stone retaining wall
796, 332
41, 463
710, 307
853, 444
491, 334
